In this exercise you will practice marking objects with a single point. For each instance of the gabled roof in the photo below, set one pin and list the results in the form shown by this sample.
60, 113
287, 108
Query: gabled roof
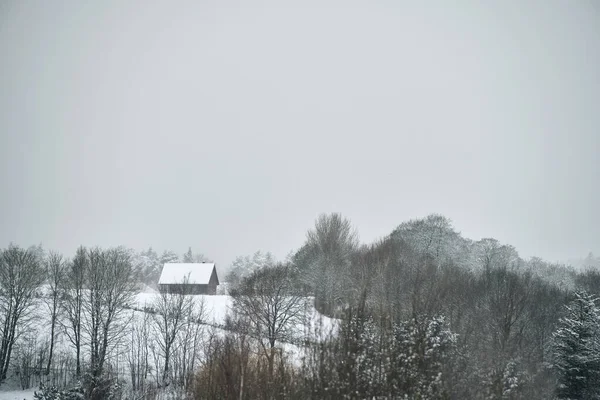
198, 273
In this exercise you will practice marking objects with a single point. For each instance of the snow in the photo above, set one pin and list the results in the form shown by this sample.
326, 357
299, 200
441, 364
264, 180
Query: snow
198, 273
216, 307
17, 395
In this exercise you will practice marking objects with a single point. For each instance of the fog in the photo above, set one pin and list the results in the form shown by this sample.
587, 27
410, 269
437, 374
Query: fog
229, 127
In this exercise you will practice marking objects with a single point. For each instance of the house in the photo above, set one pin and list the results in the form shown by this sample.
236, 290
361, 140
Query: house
189, 278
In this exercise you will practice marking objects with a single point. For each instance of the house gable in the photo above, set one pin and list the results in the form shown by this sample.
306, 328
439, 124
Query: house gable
214, 279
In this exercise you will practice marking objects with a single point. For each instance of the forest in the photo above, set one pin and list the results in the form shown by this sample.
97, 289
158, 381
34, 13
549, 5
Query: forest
422, 313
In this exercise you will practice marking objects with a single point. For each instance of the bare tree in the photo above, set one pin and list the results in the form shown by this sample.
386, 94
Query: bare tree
110, 291
139, 355
172, 311
491, 254
242, 327
28, 358
508, 295
20, 276
72, 302
55, 271
187, 350
273, 304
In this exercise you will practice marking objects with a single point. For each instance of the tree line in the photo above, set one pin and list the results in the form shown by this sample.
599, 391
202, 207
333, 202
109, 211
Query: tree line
427, 314
422, 313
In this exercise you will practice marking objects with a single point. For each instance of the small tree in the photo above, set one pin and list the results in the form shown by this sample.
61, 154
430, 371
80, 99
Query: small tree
189, 256
577, 349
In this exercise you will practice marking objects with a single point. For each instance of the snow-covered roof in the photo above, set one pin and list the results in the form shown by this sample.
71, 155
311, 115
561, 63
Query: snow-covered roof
198, 273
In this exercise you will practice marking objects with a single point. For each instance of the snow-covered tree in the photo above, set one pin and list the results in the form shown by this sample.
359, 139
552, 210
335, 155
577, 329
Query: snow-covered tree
435, 237
577, 349
418, 357
329, 250
191, 257
168, 256
490, 253
244, 266
591, 262
188, 257
149, 266
408, 359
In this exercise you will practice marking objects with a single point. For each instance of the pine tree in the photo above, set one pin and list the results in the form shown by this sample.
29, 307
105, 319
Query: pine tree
577, 349
189, 256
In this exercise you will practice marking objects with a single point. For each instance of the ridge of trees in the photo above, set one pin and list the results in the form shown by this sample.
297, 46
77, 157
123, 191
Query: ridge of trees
422, 313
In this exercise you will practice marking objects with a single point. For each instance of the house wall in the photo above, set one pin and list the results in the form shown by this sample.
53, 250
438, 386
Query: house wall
191, 289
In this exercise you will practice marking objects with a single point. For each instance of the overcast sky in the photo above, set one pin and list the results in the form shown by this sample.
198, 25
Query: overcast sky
229, 126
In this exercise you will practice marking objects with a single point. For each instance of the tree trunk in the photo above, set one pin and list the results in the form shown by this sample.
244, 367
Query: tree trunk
242, 367
9, 343
53, 325
242, 382
271, 360
167, 361
78, 351
4, 359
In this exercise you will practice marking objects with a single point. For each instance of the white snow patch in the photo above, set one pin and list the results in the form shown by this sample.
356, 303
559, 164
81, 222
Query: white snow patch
17, 395
217, 307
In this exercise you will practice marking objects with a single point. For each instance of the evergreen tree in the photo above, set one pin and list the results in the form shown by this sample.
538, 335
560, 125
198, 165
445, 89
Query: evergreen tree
149, 266
189, 256
577, 349
168, 256
591, 261
242, 267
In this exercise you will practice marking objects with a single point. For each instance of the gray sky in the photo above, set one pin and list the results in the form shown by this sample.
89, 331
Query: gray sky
229, 126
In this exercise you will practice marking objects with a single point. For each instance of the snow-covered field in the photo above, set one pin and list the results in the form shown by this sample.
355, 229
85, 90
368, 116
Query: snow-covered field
217, 307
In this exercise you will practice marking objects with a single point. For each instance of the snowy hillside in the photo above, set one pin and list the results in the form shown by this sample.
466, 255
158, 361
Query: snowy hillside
218, 307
